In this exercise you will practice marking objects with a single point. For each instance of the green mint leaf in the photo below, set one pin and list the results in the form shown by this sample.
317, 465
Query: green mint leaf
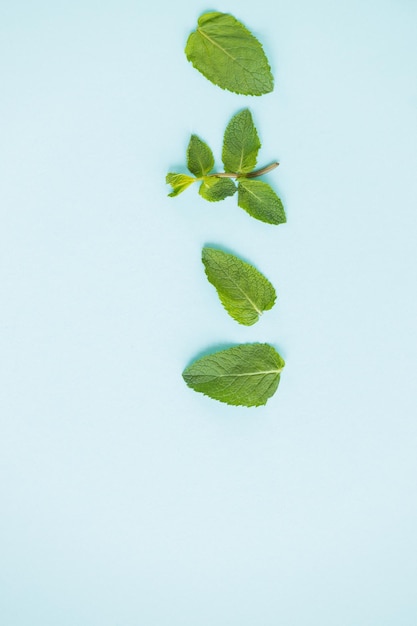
214, 189
200, 160
240, 144
178, 182
227, 53
244, 375
244, 292
260, 201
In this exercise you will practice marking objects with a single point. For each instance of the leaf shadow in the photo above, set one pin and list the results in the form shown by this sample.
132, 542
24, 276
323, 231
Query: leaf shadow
212, 349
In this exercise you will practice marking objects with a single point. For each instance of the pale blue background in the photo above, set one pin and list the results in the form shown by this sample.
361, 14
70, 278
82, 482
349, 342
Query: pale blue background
127, 499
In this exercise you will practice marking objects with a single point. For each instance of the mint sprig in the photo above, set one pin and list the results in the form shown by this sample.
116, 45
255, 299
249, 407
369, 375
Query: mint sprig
241, 145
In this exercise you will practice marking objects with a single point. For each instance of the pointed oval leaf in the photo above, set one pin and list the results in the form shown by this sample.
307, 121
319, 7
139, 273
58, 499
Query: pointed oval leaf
244, 375
240, 144
244, 292
227, 53
200, 159
178, 182
260, 201
214, 189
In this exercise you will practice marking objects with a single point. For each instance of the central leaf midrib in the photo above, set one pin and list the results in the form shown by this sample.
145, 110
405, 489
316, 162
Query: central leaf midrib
242, 155
241, 290
212, 41
261, 373
252, 193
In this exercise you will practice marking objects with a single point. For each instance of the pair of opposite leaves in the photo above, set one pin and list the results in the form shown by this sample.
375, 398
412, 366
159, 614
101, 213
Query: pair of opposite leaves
224, 51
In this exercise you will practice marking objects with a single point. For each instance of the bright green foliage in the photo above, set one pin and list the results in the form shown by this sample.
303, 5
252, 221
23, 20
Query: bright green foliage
240, 150
240, 144
214, 189
244, 375
200, 159
244, 292
179, 182
227, 53
260, 201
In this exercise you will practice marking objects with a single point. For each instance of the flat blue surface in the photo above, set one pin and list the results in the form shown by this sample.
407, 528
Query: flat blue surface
126, 498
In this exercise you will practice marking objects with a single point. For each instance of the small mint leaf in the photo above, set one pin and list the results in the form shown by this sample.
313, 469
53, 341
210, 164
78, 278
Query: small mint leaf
214, 189
178, 182
200, 160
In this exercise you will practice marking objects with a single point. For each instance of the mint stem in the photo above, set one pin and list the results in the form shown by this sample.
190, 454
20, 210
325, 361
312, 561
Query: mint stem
254, 174
263, 170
